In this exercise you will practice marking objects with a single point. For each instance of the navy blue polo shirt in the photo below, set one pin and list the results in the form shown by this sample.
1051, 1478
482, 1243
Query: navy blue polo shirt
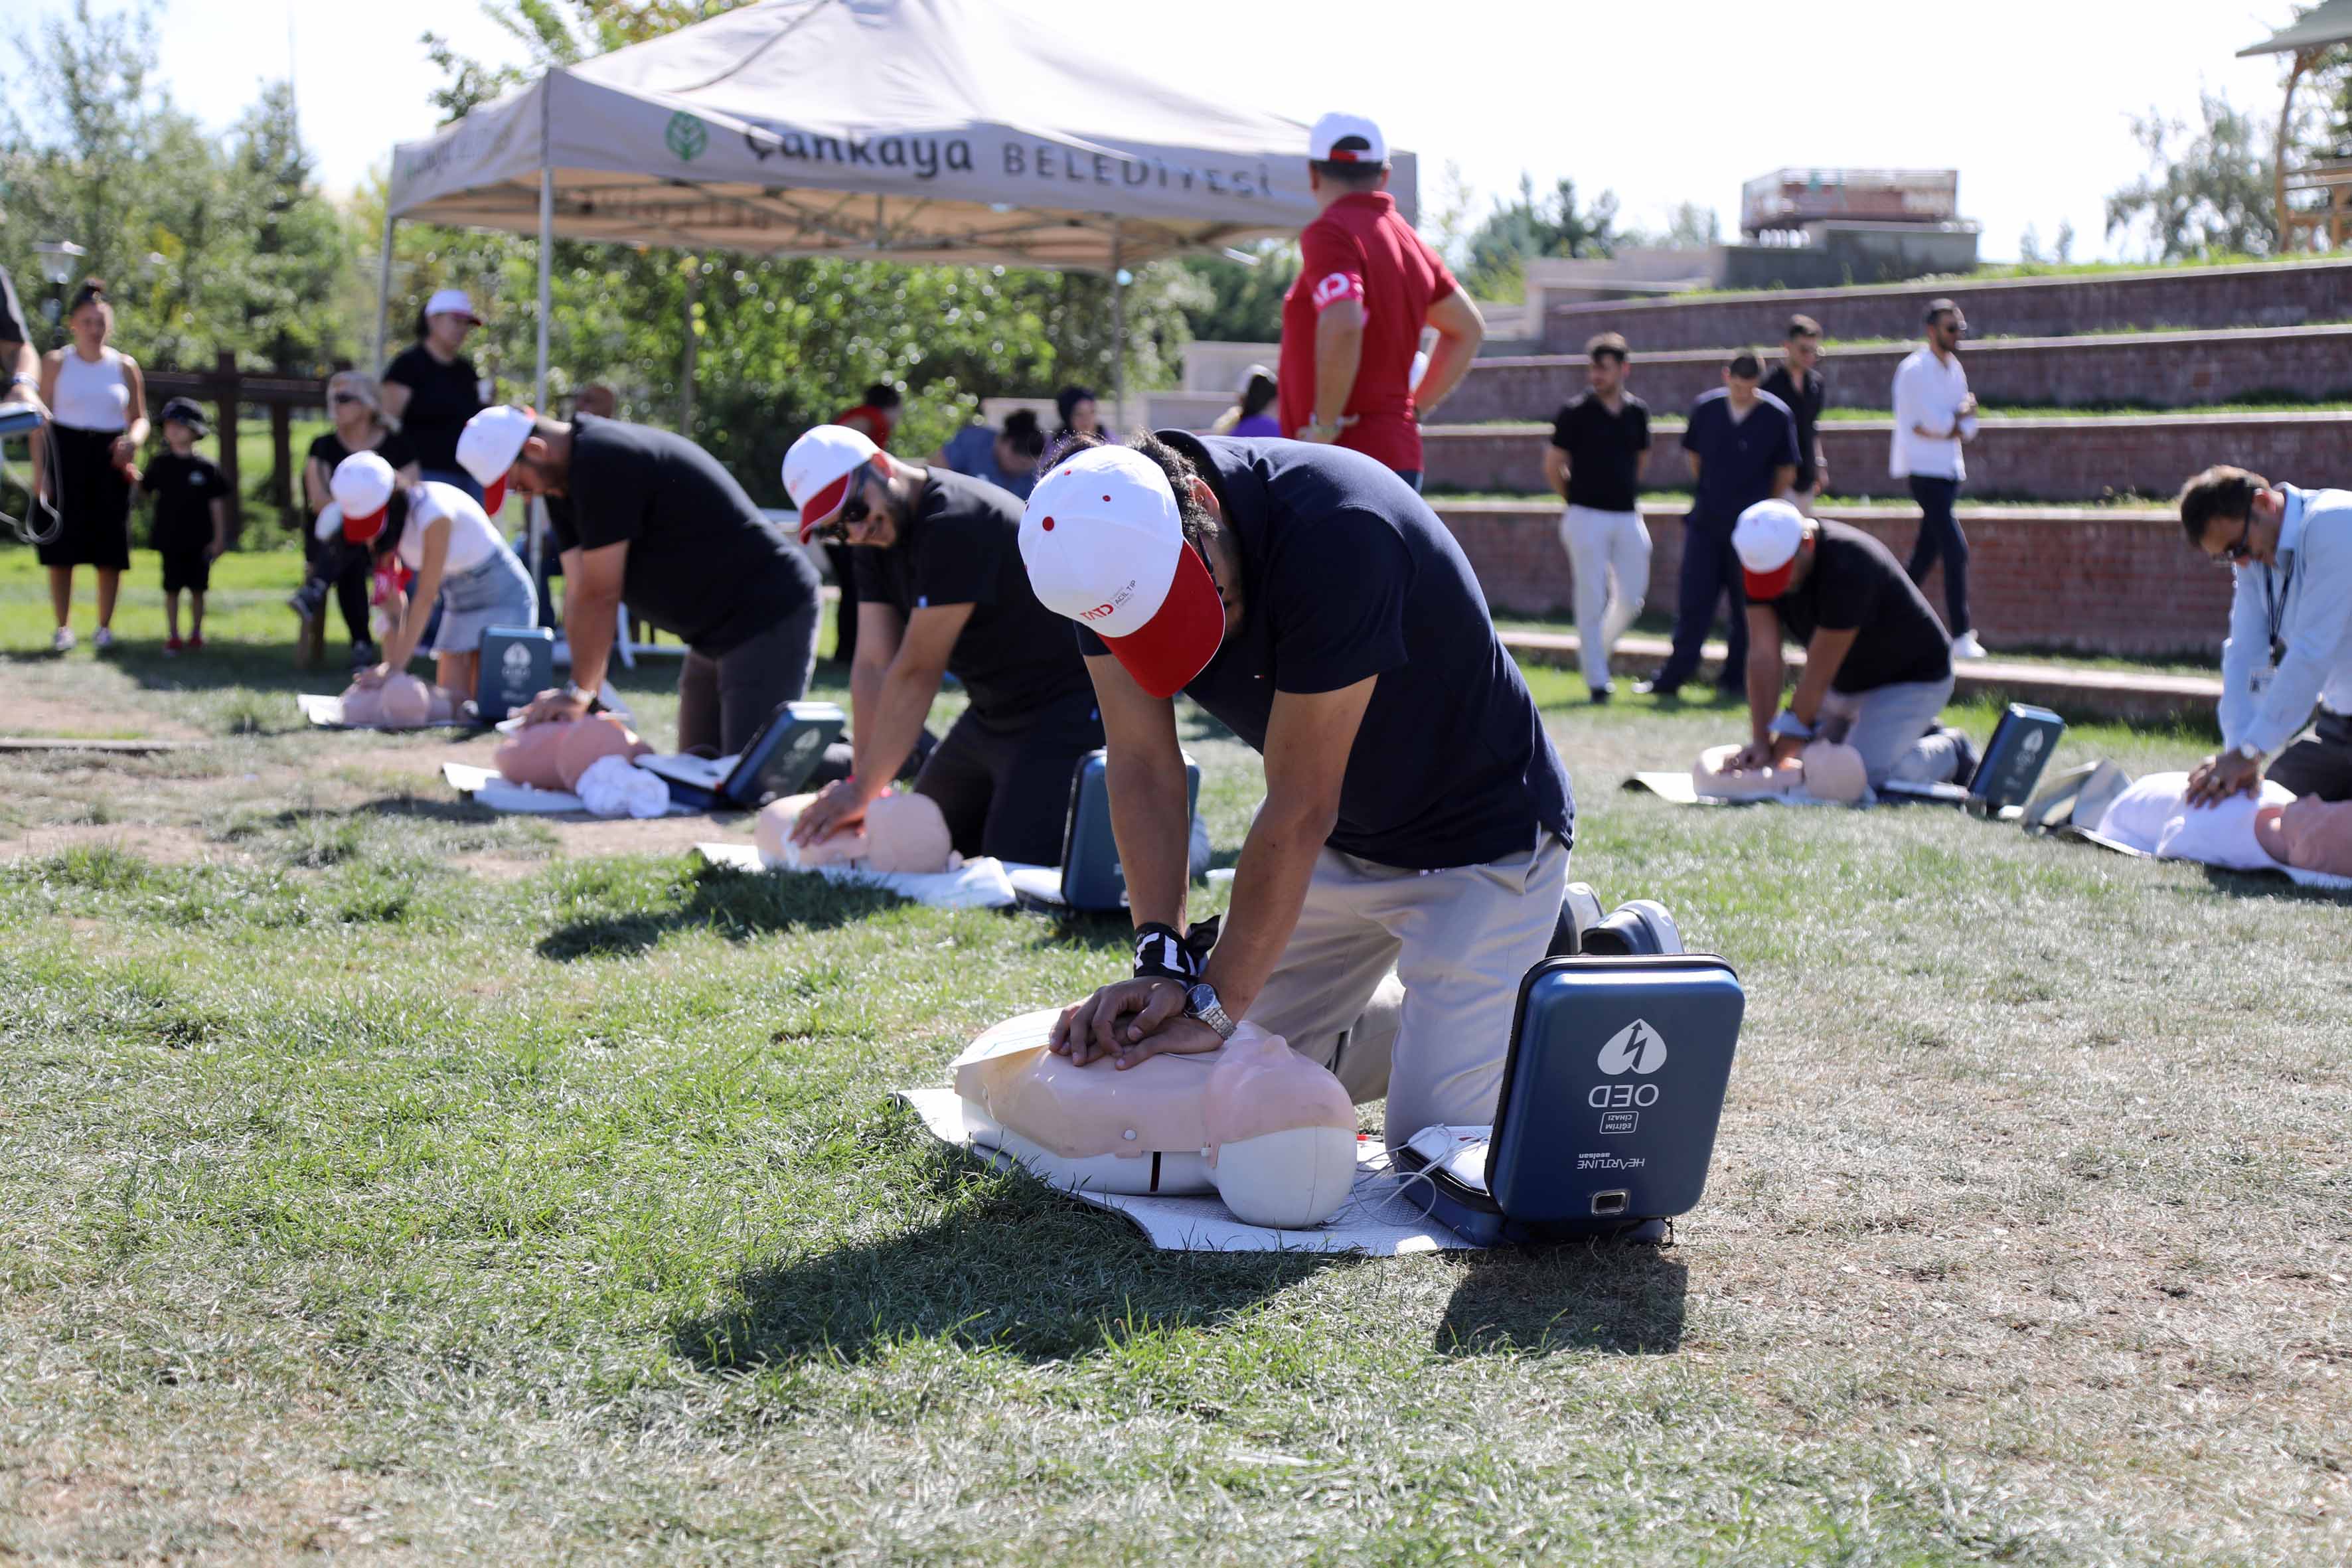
1346, 575
1737, 457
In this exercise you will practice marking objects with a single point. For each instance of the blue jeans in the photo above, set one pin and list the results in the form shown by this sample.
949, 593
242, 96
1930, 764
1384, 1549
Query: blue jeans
1939, 535
1710, 570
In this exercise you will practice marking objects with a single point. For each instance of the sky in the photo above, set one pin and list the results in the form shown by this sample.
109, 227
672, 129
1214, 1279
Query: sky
2031, 100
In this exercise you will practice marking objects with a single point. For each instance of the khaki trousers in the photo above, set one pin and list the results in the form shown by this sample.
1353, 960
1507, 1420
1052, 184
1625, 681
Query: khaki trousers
1404, 982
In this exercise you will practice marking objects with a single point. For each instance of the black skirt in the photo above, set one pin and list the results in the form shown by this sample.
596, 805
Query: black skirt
93, 502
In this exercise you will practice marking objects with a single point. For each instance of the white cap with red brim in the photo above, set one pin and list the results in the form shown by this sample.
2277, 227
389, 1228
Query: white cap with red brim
362, 484
1767, 537
488, 446
1105, 545
819, 468
1323, 142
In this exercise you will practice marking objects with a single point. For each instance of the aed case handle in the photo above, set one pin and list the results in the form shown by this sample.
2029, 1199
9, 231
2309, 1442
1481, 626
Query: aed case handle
1685, 961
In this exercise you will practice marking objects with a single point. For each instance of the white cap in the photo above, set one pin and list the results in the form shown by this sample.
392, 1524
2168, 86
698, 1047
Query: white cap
362, 484
1767, 537
488, 446
452, 303
1323, 142
1105, 546
818, 468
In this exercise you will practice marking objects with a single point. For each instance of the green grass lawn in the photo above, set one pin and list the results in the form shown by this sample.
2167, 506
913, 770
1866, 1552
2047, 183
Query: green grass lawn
383, 1179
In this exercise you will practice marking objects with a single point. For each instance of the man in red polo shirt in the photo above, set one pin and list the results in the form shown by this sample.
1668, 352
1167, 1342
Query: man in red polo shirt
1351, 323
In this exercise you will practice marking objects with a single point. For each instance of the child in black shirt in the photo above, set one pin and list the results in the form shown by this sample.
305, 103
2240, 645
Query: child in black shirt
190, 522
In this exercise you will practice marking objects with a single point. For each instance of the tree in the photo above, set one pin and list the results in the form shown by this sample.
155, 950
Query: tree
1689, 227
1245, 299
1513, 235
2208, 190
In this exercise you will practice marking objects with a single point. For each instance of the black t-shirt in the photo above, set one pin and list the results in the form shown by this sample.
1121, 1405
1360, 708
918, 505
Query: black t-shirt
1346, 575
1805, 404
1737, 457
184, 490
441, 398
703, 563
1856, 584
964, 547
1604, 450
12, 317
394, 449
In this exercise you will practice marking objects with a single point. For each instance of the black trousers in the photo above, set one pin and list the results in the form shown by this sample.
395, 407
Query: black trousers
1710, 570
1939, 535
1005, 788
2320, 761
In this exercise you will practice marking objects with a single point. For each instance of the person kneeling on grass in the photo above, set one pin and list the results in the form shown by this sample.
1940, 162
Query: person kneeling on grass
460, 560
191, 521
1878, 667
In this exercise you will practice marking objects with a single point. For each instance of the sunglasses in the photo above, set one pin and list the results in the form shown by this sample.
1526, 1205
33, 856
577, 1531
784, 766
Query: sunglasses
341, 398
2236, 552
852, 512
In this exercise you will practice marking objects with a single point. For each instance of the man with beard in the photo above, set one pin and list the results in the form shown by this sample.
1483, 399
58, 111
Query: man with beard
940, 590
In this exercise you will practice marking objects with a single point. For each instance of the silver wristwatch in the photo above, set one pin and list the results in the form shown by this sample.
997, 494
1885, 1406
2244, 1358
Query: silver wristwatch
2249, 750
1200, 1002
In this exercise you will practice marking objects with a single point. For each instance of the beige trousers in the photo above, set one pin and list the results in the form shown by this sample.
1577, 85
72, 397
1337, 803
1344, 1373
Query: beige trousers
1404, 982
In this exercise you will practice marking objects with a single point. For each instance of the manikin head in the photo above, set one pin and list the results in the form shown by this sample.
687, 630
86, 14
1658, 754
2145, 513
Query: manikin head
1346, 155
2233, 516
1604, 366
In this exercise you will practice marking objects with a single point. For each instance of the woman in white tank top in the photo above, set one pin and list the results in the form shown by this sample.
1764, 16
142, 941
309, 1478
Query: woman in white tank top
100, 400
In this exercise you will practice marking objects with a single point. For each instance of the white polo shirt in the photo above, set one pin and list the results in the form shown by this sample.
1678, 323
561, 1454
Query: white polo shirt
1927, 392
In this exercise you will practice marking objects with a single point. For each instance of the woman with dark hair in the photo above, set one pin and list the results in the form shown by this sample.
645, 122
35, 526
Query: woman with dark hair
459, 560
431, 388
1079, 417
99, 400
1248, 416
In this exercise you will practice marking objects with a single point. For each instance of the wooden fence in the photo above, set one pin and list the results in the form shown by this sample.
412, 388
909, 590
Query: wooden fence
229, 391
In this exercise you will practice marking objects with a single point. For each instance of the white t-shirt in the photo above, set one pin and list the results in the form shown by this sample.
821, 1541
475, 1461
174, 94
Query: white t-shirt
472, 538
1927, 392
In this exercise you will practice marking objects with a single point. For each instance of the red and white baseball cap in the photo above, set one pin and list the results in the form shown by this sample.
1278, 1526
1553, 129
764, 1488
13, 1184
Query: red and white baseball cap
1323, 142
819, 468
488, 446
362, 484
452, 303
1105, 545
1767, 536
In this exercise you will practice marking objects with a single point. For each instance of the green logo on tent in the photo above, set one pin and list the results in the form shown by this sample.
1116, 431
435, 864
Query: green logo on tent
687, 136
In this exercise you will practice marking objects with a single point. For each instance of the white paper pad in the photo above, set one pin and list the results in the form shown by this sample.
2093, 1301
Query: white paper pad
978, 885
484, 787
327, 713
1375, 1221
1038, 884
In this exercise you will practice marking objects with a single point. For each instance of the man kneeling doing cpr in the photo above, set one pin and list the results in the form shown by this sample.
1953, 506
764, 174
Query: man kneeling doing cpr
1407, 867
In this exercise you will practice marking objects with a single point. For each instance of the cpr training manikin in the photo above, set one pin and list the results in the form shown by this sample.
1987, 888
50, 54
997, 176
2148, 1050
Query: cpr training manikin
903, 832
1824, 771
1270, 1132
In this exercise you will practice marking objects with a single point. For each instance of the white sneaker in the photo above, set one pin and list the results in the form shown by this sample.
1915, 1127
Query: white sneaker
1966, 646
63, 642
101, 640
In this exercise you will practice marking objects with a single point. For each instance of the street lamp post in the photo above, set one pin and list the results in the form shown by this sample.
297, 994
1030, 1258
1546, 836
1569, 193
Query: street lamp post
59, 258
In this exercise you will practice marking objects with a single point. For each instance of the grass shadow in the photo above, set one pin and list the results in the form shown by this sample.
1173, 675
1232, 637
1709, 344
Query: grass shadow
2255, 884
737, 905
1609, 1297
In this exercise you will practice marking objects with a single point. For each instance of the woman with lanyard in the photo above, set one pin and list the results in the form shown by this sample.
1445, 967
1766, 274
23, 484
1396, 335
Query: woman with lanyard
357, 407
100, 403
431, 388
462, 566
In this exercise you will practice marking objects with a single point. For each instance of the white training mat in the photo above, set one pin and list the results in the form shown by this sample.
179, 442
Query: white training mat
1678, 789
2295, 874
1381, 1220
483, 786
326, 713
975, 885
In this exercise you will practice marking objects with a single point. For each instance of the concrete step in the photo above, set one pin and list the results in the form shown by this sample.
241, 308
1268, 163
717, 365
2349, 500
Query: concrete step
2111, 580
2166, 370
2075, 692
2046, 460
2258, 294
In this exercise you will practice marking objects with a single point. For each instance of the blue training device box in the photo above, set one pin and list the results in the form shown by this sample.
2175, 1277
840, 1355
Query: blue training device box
2022, 744
1610, 1095
517, 664
19, 420
1092, 879
777, 762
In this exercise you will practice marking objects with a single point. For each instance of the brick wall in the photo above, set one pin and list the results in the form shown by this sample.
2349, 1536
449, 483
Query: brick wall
2112, 582
2057, 460
2271, 294
2168, 370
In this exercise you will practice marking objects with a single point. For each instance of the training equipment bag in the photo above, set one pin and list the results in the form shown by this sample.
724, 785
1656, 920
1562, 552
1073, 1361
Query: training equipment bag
517, 664
2021, 746
1092, 878
778, 761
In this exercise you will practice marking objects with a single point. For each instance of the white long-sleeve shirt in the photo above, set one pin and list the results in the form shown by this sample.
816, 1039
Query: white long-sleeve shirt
1929, 392
2311, 588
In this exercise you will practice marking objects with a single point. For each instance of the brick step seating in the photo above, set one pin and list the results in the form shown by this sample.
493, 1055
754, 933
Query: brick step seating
2047, 460
2079, 693
2259, 294
2103, 580
2161, 369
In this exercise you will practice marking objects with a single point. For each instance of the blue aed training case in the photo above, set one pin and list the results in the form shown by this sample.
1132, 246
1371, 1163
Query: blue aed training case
2022, 744
1610, 1096
517, 664
1092, 878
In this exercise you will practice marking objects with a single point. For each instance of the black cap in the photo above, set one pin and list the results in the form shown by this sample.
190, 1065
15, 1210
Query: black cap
187, 411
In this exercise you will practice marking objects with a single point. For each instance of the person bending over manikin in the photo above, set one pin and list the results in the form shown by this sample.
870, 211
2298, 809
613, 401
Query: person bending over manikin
899, 832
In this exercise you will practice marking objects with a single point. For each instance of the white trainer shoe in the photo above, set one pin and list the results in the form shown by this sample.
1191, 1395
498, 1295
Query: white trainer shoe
1966, 646
101, 640
63, 642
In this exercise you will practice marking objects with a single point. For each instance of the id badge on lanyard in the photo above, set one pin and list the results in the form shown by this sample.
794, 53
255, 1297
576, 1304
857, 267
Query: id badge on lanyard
2275, 608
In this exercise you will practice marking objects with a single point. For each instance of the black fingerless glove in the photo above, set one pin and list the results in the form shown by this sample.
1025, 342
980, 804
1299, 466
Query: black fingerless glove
1161, 954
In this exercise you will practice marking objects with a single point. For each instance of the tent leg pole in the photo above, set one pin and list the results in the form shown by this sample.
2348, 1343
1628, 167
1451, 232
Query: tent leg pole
384, 285
685, 370
537, 527
1118, 325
